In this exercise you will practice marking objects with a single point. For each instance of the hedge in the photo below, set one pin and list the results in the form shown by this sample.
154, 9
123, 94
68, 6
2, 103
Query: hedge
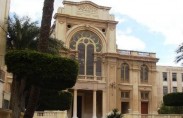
173, 99
54, 100
46, 70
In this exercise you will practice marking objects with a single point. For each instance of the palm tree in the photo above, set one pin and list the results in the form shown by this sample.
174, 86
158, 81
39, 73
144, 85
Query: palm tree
42, 47
22, 33
45, 25
179, 52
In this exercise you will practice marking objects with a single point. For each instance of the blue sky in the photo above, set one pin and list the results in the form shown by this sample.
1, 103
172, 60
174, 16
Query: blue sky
144, 25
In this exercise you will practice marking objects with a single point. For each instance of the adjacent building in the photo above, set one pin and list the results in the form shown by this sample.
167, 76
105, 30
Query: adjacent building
170, 79
4, 11
108, 77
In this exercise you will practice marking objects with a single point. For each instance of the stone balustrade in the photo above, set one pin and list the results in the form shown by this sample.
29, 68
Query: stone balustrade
136, 53
38, 114
153, 116
50, 114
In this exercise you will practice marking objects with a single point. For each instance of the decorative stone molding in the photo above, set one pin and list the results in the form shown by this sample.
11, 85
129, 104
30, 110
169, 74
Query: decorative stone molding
112, 66
112, 27
61, 21
87, 8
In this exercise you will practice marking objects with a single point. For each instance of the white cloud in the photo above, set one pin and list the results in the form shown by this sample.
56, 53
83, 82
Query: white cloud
128, 42
120, 20
31, 8
163, 16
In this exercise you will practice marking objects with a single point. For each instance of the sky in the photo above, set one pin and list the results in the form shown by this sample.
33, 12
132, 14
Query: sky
144, 25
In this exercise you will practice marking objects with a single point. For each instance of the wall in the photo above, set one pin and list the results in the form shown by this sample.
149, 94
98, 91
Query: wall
169, 83
4, 10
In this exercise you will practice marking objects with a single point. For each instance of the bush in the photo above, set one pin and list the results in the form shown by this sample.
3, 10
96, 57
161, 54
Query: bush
173, 99
170, 109
54, 100
46, 70
115, 114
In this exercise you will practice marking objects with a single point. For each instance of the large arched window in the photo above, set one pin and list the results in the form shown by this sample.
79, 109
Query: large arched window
144, 74
125, 72
87, 44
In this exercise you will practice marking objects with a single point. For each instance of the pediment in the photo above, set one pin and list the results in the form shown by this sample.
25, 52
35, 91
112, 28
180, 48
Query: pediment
87, 5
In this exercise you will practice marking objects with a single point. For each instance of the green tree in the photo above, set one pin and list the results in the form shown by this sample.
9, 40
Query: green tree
45, 71
42, 47
24, 34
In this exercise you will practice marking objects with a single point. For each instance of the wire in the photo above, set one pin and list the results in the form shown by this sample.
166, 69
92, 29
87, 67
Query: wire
3, 29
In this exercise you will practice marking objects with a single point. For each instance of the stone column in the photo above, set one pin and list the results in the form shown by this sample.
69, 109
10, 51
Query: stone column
103, 104
1, 93
135, 99
75, 104
94, 104
103, 70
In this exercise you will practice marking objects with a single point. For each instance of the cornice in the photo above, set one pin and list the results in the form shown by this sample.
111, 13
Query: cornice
86, 2
130, 57
84, 18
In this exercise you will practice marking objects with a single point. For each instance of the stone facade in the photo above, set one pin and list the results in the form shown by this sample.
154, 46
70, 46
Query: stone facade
4, 10
108, 78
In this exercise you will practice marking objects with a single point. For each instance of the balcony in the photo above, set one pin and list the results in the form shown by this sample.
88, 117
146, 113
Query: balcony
136, 53
91, 78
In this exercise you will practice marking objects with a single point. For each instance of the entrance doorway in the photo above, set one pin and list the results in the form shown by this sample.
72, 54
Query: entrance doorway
79, 106
144, 107
124, 107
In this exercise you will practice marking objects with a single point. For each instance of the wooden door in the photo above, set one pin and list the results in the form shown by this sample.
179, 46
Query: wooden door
144, 107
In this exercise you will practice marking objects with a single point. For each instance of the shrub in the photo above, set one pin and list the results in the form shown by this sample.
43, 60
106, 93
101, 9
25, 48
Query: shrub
115, 114
54, 100
46, 70
170, 109
173, 99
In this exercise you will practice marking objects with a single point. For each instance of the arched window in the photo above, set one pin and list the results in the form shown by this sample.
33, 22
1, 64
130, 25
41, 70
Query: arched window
125, 72
99, 67
90, 59
87, 44
144, 74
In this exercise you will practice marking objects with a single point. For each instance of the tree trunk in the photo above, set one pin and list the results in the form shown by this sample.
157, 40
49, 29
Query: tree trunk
32, 102
45, 25
15, 98
22, 94
42, 47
